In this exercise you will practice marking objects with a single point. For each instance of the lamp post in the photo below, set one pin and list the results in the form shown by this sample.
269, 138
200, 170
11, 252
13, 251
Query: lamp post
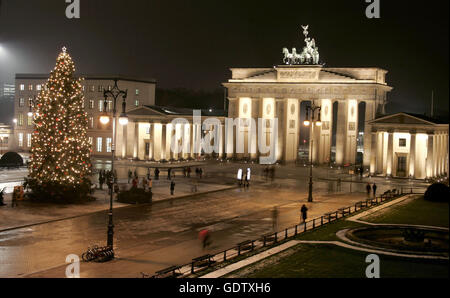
312, 122
114, 93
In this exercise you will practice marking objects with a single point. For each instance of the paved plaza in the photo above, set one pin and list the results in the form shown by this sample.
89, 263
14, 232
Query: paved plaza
149, 238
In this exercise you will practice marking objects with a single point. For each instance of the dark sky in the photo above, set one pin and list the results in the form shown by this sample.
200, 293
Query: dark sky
193, 44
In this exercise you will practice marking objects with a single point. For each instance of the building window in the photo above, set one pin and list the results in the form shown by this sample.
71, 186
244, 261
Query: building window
100, 88
99, 145
29, 138
20, 120
20, 139
30, 87
38, 87
22, 87
91, 104
83, 88
82, 105
109, 145
402, 142
91, 141
21, 102
91, 122
30, 120
109, 106
136, 103
100, 105
137, 91
147, 131
92, 88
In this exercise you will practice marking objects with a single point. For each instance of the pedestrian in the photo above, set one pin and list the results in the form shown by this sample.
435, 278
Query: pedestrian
101, 179
169, 174
275, 218
115, 176
135, 183
184, 172
136, 174
374, 188
239, 177
144, 183
116, 188
304, 212
338, 186
189, 172
148, 174
14, 197
130, 176
2, 198
157, 174
368, 188
150, 185
247, 181
205, 238
172, 188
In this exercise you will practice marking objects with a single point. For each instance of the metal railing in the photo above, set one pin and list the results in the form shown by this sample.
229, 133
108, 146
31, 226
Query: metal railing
205, 262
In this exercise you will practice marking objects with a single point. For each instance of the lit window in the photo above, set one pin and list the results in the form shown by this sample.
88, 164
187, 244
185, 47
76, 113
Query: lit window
91, 141
137, 91
100, 88
20, 120
136, 103
92, 89
38, 87
30, 87
21, 102
30, 121
109, 106
22, 87
402, 142
82, 104
29, 140
83, 88
100, 105
91, 104
147, 130
99, 145
109, 145
91, 122
20, 139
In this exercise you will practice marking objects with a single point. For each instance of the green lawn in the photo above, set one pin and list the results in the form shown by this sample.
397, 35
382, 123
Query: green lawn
416, 212
328, 261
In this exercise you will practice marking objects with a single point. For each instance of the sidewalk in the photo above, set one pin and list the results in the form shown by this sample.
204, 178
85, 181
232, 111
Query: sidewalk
30, 214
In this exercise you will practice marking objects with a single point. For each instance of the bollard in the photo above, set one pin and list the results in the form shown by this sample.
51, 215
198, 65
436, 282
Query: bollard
296, 230
305, 225
192, 268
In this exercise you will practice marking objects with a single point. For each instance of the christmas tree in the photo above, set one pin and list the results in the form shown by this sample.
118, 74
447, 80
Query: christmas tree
60, 163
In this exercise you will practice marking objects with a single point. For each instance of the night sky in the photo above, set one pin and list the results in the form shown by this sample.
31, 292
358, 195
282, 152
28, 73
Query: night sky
192, 44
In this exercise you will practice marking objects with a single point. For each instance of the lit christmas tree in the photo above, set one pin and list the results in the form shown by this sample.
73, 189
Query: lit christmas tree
60, 156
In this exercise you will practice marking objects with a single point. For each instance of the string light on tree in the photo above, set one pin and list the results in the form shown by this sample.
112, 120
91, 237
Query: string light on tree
61, 150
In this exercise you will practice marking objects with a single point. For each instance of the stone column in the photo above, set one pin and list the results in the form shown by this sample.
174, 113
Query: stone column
326, 131
380, 153
341, 131
164, 141
430, 157
352, 132
390, 155
373, 153
136, 141
370, 115
151, 155
412, 154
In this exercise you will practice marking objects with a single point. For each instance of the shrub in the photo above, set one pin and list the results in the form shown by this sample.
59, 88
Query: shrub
135, 196
11, 159
437, 192
54, 192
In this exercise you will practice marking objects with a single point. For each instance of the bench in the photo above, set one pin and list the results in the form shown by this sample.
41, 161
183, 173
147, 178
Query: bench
245, 246
344, 211
171, 272
330, 216
203, 261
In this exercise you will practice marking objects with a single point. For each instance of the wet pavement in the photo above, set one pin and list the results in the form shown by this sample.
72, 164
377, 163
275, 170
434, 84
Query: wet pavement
152, 237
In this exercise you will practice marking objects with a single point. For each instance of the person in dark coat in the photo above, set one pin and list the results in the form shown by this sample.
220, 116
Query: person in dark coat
304, 212
368, 188
157, 174
130, 176
172, 188
2, 198
374, 188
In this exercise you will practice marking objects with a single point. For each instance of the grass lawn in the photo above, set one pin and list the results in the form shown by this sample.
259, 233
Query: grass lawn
416, 212
328, 261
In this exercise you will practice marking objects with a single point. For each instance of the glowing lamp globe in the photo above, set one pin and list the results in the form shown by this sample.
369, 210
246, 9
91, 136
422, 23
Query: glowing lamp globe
319, 124
104, 119
307, 123
30, 114
123, 120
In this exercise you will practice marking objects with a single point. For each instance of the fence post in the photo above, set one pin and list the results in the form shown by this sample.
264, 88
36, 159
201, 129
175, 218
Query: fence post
321, 221
239, 250
296, 226
276, 237
192, 268
286, 235
253, 245
264, 241
305, 225
314, 223
225, 256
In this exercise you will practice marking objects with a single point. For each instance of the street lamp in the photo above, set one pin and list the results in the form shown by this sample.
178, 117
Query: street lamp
114, 93
311, 122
